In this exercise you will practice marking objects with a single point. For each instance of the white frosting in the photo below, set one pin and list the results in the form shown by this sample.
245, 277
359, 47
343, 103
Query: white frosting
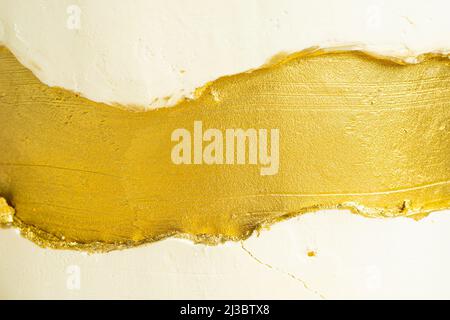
137, 52
356, 257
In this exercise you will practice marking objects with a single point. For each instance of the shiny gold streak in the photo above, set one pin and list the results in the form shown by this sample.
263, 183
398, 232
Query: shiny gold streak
356, 132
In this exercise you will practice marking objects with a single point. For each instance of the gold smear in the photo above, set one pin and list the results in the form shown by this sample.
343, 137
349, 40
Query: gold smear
356, 132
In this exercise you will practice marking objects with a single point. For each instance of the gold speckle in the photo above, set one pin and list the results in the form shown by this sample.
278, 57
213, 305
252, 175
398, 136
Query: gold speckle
311, 253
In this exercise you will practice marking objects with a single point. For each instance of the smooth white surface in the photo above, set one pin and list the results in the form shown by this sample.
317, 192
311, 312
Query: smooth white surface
151, 53
356, 257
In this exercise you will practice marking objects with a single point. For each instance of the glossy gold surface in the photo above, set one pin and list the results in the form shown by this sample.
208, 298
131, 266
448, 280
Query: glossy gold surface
356, 132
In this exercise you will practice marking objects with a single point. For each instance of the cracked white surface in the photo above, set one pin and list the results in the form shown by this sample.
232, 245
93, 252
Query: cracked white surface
304, 284
355, 257
151, 53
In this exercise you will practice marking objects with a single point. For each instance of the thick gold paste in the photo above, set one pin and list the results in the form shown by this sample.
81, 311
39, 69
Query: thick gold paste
356, 132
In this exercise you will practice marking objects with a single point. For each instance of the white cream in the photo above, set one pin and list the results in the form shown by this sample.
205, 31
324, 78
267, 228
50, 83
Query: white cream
355, 257
138, 52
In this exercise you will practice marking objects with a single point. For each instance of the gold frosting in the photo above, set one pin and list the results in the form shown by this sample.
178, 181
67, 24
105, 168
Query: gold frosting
355, 131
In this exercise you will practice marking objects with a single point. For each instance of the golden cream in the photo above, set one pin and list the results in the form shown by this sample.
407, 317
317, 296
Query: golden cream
356, 131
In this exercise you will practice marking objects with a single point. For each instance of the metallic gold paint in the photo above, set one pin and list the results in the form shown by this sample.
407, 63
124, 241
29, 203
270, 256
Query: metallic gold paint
356, 132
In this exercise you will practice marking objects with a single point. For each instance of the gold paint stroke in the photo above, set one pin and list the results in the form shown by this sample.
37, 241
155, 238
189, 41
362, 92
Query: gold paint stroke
356, 132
